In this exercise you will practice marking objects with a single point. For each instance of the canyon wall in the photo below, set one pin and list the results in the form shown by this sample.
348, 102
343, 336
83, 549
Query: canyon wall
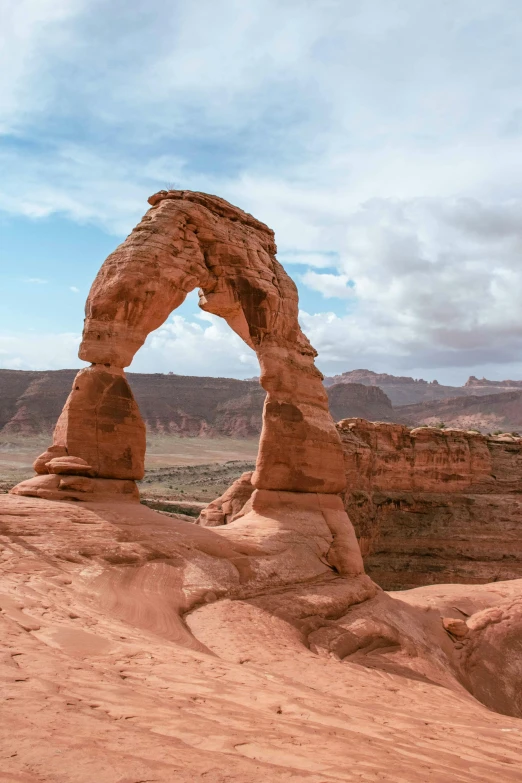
433, 506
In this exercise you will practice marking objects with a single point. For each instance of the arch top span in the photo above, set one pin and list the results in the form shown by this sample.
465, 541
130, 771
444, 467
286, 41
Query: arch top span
185, 241
189, 240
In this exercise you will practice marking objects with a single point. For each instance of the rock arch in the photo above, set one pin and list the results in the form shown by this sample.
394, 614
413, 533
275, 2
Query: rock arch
191, 240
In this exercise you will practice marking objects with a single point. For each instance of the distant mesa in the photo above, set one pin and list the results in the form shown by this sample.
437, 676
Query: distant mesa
499, 412
188, 406
355, 399
404, 390
193, 406
481, 383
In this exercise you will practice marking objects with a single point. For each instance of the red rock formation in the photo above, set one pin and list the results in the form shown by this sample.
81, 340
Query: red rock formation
230, 504
381, 457
101, 424
428, 505
189, 240
184, 241
112, 614
432, 505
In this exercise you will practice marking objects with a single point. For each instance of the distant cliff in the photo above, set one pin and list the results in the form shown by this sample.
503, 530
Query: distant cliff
487, 413
364, 401
483, 383
403, 390
30, 403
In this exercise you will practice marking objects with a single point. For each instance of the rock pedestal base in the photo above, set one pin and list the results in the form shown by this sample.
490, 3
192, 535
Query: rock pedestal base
83, 488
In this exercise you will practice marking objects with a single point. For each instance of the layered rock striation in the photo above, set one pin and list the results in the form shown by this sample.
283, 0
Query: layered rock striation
433, 506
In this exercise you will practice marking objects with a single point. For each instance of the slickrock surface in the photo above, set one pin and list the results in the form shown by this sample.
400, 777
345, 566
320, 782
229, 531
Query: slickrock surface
133, 648
434, 506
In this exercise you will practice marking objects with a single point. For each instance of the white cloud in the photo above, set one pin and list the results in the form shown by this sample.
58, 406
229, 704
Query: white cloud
34, 351
311, 258
330, 286
206, 346
437, 284
34, 30
300, 112
202, 346
382, 142
74, 289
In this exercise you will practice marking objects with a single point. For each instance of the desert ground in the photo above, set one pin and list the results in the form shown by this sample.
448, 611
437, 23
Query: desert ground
185, 469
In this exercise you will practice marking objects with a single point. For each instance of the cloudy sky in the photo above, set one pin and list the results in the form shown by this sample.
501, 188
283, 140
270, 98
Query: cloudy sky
380, 139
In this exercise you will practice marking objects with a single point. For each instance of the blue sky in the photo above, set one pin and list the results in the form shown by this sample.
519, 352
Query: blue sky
380, 139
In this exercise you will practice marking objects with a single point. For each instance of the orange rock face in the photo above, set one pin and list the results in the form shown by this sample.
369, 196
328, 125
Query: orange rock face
101, 423
431, 505
225, 508
381, 456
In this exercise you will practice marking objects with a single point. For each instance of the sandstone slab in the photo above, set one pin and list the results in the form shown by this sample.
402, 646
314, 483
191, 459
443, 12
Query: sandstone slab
132, 648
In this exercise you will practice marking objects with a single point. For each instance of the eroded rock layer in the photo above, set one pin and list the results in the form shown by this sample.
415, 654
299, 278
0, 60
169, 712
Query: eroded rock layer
433, 506
492, 412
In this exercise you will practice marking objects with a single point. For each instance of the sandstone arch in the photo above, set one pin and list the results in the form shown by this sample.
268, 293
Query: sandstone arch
190, 240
